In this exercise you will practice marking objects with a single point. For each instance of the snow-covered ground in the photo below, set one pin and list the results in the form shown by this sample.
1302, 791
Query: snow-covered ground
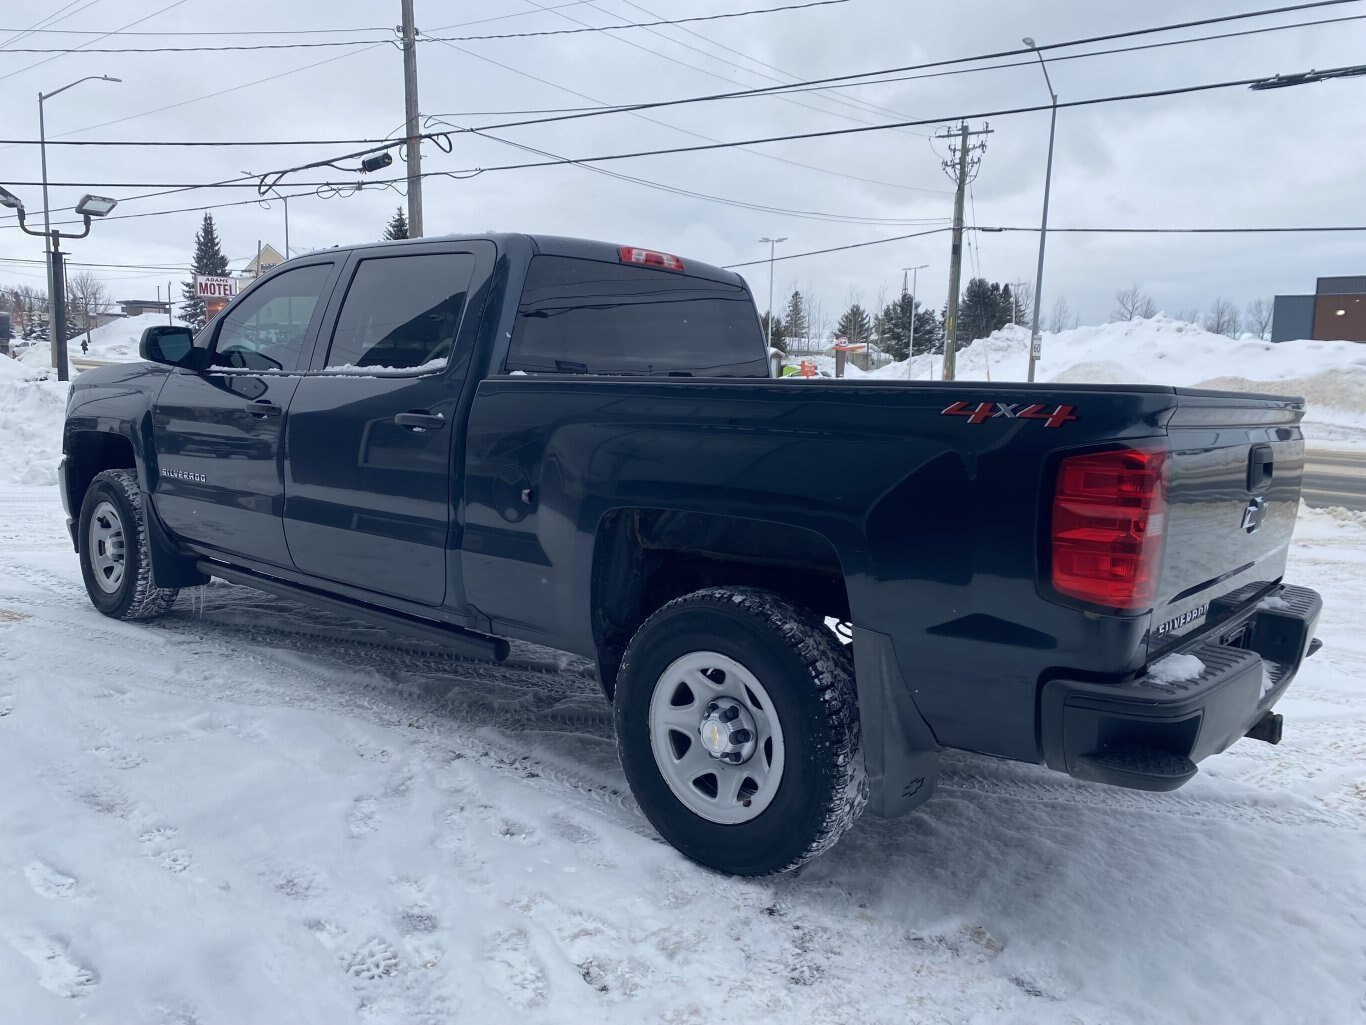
253, 812
116, 341
1330, 375
250, 811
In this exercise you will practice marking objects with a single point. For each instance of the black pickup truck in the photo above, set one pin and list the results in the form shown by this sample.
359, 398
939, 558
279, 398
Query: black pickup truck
797, 592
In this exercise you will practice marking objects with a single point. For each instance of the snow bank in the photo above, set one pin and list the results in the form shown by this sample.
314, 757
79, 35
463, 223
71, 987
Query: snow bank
1330, 375
116, 341
32, 408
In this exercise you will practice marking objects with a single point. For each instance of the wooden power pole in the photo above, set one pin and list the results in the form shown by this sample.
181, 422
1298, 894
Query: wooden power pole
961, 165
414, 144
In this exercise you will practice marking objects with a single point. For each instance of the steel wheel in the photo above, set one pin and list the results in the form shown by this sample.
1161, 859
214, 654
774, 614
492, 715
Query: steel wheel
716, 737
107, 547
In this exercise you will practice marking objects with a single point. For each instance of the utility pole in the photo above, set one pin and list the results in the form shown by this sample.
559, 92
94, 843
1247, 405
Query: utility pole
915, 283
961, 166
414, 145
772, 246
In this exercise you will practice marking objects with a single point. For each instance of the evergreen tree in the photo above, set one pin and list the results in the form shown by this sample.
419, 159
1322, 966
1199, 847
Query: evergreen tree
894, 328
209, 260
797, 326
855, 326
780, 333
397, 227
985, 307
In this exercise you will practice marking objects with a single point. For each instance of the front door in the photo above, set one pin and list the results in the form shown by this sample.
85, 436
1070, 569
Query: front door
373, 435
217, 432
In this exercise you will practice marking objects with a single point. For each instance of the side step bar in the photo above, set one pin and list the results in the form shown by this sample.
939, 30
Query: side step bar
466, 642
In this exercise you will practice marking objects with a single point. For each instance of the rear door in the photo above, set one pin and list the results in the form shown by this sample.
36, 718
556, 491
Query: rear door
1233, 489
373, 433
583, 317
217, 433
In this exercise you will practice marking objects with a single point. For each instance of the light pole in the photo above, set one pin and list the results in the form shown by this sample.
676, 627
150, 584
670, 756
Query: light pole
88, 207
772, 246
47, 226
1035, 340
915, 279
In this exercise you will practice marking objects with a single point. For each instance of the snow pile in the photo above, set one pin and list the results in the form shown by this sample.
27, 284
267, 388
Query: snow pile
1176, 669
32, 410
1331, 376
116, 342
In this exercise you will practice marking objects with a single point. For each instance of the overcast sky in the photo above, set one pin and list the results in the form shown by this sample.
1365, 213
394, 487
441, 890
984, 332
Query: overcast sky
1222, 158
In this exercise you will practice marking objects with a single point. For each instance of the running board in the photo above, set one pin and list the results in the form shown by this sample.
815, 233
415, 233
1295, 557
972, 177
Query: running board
458, 639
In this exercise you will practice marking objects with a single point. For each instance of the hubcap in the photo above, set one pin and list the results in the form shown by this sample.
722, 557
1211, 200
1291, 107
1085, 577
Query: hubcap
716, 737
107, 547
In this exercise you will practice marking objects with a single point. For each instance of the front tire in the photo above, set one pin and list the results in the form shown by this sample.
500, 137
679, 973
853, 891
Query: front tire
115, 561
737, 725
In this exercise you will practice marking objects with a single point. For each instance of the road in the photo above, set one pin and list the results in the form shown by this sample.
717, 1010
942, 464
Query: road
1335, 478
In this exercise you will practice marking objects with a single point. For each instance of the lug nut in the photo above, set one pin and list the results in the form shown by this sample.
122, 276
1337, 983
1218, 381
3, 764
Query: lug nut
734, 756
741, 737
730, 714
712, 706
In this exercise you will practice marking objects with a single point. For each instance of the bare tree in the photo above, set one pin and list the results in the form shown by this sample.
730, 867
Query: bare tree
1062, 318
86, 297
1133, 303
1023, 294
1188, 316
1222, 318
26, 305
1259, 313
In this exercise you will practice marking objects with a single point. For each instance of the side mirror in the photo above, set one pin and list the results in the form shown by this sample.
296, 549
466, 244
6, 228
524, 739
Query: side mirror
172, 345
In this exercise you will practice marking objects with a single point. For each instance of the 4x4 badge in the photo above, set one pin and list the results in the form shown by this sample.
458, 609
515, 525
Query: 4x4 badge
985, 411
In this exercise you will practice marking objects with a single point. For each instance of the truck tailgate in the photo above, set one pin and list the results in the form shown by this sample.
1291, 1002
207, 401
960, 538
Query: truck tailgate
1233, 487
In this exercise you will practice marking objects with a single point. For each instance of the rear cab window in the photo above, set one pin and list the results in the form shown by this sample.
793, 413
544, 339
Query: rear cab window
581, 316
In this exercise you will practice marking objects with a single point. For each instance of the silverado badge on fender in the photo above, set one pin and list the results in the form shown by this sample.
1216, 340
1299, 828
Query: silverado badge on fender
985, 411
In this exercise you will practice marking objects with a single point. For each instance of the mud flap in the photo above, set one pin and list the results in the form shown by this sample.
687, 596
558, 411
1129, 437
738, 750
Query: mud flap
170, 568
900, 753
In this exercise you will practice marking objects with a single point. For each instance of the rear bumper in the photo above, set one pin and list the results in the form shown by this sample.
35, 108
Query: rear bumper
1149, 735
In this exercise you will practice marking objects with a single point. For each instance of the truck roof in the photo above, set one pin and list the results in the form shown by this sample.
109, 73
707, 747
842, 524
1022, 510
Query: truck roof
520, 244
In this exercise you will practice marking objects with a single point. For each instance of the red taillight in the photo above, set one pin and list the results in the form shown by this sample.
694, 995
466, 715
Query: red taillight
649, 258
1109, 517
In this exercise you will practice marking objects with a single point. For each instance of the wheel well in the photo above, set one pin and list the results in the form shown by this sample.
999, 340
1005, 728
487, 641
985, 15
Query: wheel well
92, 452
645, 558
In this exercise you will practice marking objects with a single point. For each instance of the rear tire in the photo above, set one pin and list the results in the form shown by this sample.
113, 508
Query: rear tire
737, 725
115, 562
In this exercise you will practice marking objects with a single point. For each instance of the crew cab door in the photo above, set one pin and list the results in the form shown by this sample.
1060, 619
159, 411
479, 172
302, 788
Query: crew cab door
217, 432
374, 435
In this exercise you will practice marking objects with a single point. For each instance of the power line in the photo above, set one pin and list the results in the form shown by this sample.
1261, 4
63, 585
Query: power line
561, 161
684, 131
607, 108
1099, 231
947, 62
81, 49
705, 147
694, 67
226, 48
723, 200
831, 95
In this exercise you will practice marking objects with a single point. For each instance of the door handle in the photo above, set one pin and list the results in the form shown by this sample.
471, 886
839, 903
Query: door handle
263, 408
1260, 468
415, 420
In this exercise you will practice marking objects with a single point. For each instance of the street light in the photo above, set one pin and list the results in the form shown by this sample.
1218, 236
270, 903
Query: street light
772, 246
915, 279
42, 151
88, 207
1035, 340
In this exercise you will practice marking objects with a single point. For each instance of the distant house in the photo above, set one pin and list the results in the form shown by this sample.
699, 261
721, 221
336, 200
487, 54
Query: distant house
137, 307
267, 258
